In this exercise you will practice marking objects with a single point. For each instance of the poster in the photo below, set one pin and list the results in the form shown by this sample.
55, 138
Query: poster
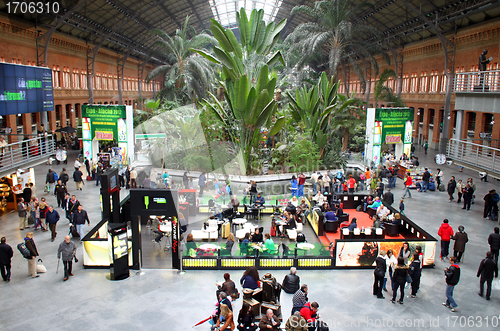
395, 123
364, 253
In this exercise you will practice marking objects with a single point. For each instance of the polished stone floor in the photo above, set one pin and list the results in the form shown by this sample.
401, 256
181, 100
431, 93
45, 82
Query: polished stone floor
165, 299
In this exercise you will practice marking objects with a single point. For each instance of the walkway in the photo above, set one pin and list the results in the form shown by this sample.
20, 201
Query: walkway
168, 300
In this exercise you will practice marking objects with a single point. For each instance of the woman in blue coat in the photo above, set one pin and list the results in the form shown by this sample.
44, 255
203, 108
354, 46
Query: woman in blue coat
295, 186
250, 278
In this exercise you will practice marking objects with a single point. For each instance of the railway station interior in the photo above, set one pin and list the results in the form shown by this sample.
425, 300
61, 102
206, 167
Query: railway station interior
195, 122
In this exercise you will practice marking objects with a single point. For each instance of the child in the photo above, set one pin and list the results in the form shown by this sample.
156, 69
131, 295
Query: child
402, 207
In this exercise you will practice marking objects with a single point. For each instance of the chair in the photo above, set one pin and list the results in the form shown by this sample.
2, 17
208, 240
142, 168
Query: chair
299, 227
343, 217
357, 231
392, 230
292, 234
345, 233
331, 226
212, 229
371, 212
368, 232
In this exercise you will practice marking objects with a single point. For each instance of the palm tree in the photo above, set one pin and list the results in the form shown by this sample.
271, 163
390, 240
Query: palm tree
385, 93
187, 75
333, 35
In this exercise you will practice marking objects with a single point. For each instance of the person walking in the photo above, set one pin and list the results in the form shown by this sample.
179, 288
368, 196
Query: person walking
127, 178
30, 245
50, 179
79, 219
379, 275
487, 269
133, 178
461, 239
291, 282
22, 212
407, 182
460, 187
467, 195
78, 178
201, 182
399, 279
77, 164
6, 254
452, 185
60, 191
425, 179
445, 232
87, 167
185, 180
294, 186
52, 219
415, 273
388, 197
452, 275
301, 182
439, 178
426, 145
494, 242
64, 176
67, 250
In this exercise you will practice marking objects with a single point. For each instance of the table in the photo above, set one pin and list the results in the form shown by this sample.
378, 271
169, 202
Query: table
305, 246
208, 247
239, 221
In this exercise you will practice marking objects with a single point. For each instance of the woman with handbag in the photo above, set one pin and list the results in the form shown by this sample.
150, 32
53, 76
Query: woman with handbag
43, 207
399, 278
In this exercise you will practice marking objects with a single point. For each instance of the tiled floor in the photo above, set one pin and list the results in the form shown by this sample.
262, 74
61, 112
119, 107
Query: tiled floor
168, 300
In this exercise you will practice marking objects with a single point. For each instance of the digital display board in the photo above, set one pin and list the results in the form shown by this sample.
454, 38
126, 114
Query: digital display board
25, 89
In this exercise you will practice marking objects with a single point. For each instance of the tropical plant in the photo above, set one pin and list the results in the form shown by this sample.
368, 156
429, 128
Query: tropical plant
347, 121
187, 75
334, 37
247, 83
318, 108
304, 155
385, 93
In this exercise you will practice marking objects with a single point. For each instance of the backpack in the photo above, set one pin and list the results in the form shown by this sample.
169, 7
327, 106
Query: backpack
64, 177
340, 175
362, 176
24, 250
56, 177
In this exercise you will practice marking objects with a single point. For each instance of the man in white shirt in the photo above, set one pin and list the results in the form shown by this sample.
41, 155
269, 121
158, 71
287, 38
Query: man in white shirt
314, 178
77, 164
383, 212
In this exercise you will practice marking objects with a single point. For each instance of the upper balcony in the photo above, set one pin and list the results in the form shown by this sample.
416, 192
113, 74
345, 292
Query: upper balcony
477, 91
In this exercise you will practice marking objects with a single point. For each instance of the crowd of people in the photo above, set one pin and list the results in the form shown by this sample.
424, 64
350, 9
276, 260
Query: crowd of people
304, 315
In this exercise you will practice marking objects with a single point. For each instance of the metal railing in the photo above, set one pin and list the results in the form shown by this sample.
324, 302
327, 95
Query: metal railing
477, 82
481, 156
18, 154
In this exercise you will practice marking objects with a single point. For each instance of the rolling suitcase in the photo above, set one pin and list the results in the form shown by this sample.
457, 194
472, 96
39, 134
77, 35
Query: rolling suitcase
226, 228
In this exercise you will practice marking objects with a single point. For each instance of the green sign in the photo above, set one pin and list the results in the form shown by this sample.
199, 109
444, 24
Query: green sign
396, 125
106, 121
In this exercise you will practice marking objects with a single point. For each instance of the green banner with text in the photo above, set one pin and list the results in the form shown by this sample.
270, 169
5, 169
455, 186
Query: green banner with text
106, 121
396, 124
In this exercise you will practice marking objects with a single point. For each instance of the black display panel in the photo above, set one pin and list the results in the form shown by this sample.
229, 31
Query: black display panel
145, 202
25, 89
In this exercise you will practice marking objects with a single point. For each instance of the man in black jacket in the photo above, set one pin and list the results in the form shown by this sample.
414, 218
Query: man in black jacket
60, 191
379, 274
388, 197
487, 268
79, 219
50, 180
5, 259
78, 178
52, 217
494, 242
452, 277
291, 282
415, 273
425, 178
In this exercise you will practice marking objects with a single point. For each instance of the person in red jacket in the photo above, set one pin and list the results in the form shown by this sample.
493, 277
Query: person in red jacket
351, 182
445, 232
310, 314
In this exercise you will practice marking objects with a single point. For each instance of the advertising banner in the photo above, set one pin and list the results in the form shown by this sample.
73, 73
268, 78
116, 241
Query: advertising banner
106, 122
394, 124
363, 254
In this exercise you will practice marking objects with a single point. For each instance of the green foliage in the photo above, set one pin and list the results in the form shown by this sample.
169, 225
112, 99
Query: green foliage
333, 38
385, 93
304, 156
186, 75
318, 109
194, 161
248, 86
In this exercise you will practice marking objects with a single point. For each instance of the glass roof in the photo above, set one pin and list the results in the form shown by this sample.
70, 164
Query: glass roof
225, 10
